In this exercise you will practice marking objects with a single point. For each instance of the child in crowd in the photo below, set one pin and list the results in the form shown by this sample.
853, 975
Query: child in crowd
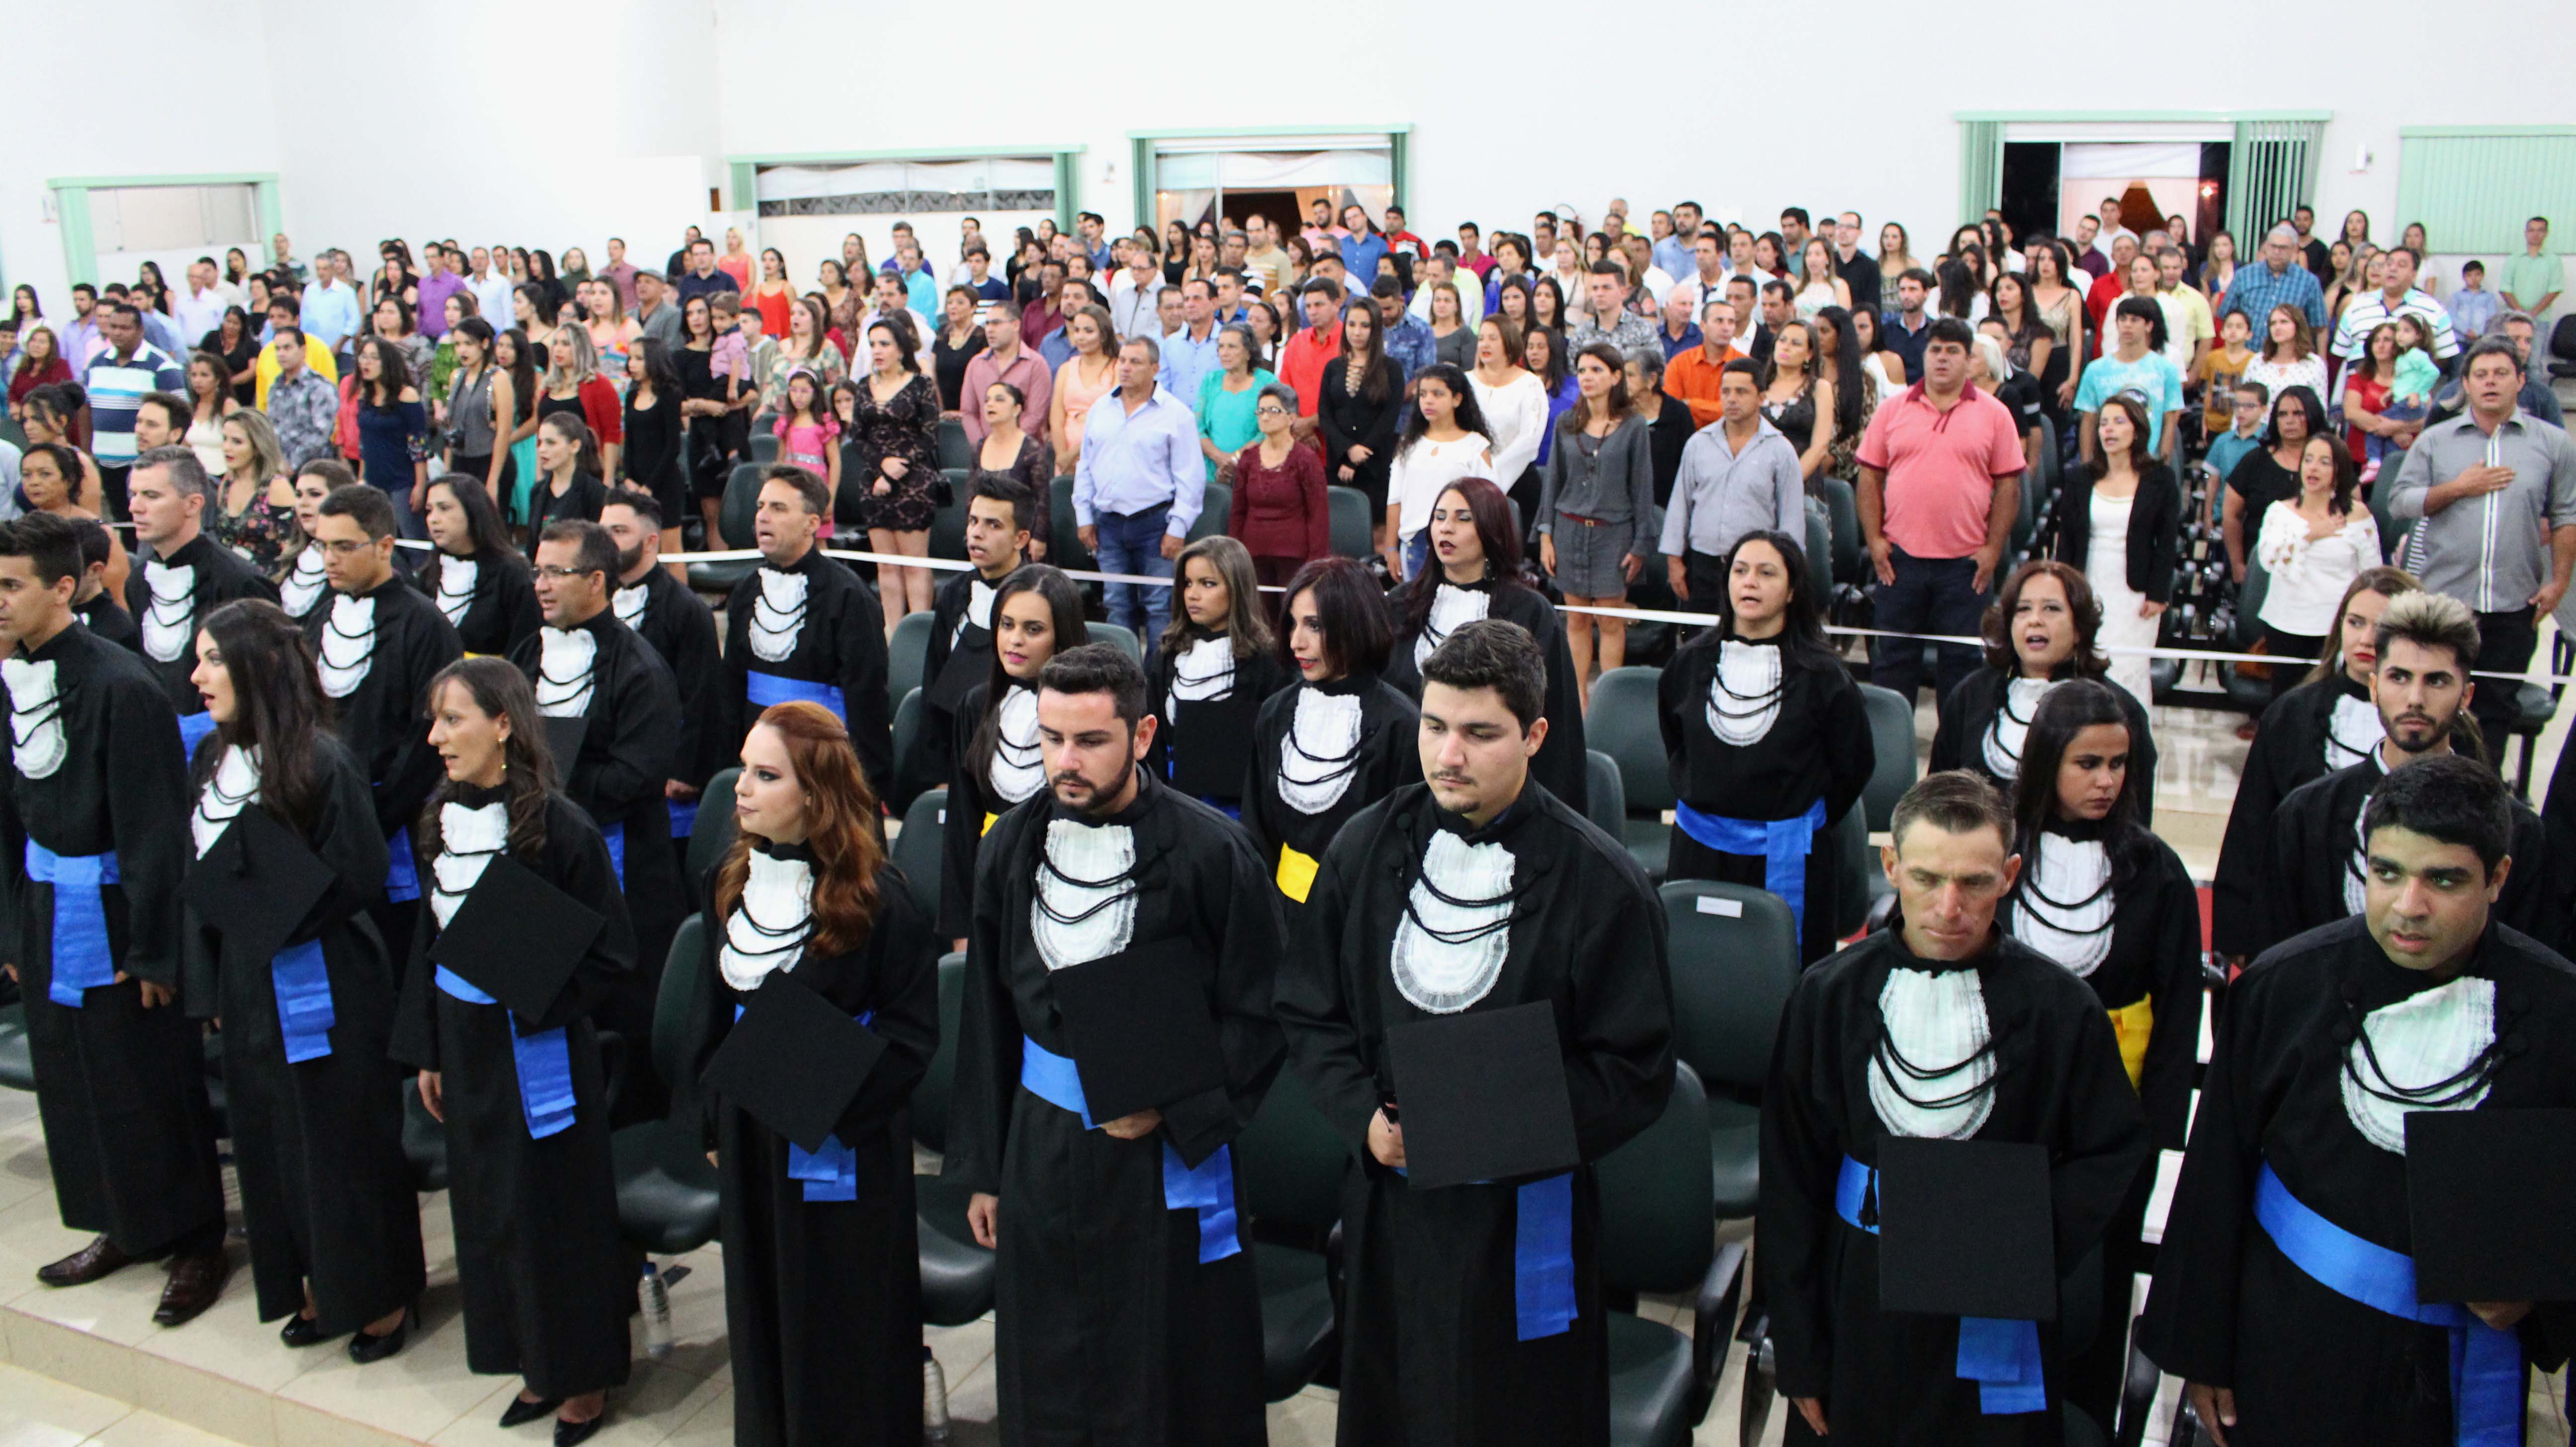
808, 435
2251, 405
2473, 307
2218, 372
2410, 397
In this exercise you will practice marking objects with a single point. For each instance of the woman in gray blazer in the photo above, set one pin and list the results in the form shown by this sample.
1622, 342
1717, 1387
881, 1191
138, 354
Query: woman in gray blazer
1596, 503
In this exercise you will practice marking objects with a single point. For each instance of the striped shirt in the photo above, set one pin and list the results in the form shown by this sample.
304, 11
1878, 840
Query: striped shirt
116, 391
2490, 551
2363, 314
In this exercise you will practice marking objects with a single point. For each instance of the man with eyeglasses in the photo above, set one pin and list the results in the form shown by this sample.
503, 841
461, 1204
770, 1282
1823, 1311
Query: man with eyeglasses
2278, 280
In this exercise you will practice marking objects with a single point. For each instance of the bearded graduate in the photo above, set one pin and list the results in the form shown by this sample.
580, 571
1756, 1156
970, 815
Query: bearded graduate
804, 627
477, 579
1037, 613
2039, 633
612, 717
98, 794
497, 1022
1336, 742
2426, 643
378, 643
821, 1256
283, 959
1945, 1028
100, 611
2285, 1290
181, 575
1473, 1313
1767, 737
1476, 553
1125, 937
960, 654
2324, 724
1218, 664
668, 615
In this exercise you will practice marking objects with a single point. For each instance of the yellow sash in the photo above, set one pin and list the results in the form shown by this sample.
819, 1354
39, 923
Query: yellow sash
2133, 1023
988, 825
1296, 874
472, 654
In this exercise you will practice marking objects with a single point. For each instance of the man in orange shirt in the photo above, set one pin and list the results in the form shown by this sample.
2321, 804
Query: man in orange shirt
1301, 361
1691, 378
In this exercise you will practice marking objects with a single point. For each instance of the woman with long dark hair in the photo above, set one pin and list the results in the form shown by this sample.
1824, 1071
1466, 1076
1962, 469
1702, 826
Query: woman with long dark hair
2041, 631
1361, 402
1037, 614
894, 442
518, 1082
1217, 665
2314, 546
821, 1258
1341, 739
479, 395
1768, 741
2120, 520
706, 401
2270, 472
304, 989
568, 472
1596, 502
1446, 438
654, 458
393, 430
479, 581
1473, 571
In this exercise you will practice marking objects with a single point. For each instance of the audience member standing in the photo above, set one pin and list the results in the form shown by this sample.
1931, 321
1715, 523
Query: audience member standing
2120, 521
1139, 488
125, 369
1738, 476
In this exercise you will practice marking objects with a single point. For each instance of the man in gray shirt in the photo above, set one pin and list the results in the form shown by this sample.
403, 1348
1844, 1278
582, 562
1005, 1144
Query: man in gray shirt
1738, 475
1632, 334
653, 309
2490, 485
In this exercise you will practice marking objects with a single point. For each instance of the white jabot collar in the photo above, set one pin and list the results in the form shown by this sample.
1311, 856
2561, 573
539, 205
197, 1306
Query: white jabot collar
305, 585
2419, 1041
1744, 692
777, 615
1937, 1020
472, 839
1201, 672
1086, 902
567, 670
169, 621
1321, 751
348, 643
234, 787
1452, 608
767, 929
456, 586
36, 738
2011, 726
2063, 905
627, 602
979, 607
1449, 951
1018, 769
2353, 729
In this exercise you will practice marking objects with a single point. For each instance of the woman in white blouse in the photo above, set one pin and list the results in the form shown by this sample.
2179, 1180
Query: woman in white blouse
1511, 397
1446, 439
2313, 546
2288, 357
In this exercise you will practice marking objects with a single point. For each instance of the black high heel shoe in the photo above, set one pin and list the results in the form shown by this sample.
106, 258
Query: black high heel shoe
573, 1434
365, 1348
519, 1412
301, 1331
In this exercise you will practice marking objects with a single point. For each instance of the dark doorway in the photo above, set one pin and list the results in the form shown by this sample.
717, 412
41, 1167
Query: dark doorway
2029, 199
1279, 207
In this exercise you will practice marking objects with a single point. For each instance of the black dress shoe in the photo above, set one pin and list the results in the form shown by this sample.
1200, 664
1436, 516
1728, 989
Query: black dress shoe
573, 1434
195, 1284
519, 1411
301, 1331
86, 1265
365, 1348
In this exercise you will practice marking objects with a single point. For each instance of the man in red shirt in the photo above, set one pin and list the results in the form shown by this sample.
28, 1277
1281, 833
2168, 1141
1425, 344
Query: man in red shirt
1401, 241
2106, 291
1301, 362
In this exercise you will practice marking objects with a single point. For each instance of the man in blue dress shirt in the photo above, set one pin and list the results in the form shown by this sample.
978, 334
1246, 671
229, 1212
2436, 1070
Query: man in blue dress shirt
1138, 488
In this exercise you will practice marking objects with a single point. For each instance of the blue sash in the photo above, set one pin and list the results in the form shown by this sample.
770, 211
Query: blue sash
80, 954
2001, 1357
1205, 1190
684, 817
768, 688
304, 1014
193, 728
615, 834
544, 1062
1543, 1257
1783, 845
402, 875
2486, 1364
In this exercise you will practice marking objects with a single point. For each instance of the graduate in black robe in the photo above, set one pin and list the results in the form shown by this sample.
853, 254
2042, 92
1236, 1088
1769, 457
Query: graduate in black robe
378, 642
99, 610
804, 626
480, 582
180, 576
1478, 893
2326, 1045
1337, 742
613, 720
670, 616
96, 777
547, 1281
1476, 573
821, 1249
305, 992
1940, 1027
1218, 664
995, 761
1125, 1295
1794, 753
2038, 633
960, 651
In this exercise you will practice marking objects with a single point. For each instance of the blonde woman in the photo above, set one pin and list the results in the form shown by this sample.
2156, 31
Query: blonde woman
804, 348
1090, 374
1824, 288
1896, 255
572, 384
254, 503
612, 331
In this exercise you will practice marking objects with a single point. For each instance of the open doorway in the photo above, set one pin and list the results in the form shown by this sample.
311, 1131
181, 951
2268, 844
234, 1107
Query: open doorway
2049, 185
1278, 207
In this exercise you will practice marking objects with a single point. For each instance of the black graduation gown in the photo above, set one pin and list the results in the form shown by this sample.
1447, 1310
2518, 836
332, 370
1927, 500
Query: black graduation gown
222, 575
384, 719
1430, 1341
1111, 1330
2308, 1365
546, 1279
1959, 740
103, 616
121, 1090
956, 642
326, 1190
972, 800
500, 611
1818, 747
841, 643
2289, 750
1561, 764
631, 727
2315, 848
1201, 735
823, 1298
1889, 1378
1386, 757
682, 629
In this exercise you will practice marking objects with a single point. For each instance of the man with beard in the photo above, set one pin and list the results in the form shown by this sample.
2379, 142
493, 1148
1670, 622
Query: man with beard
667, 614
998, 516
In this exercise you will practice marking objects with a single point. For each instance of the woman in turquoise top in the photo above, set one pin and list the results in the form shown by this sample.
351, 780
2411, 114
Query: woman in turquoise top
1225, 402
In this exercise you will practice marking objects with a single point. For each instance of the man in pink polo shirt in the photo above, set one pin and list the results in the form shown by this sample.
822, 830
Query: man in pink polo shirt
1936, 509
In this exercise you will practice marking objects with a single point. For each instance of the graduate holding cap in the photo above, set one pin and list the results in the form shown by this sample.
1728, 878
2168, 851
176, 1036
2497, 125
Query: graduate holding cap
995, 759
1218, 664
998, 510
2307, 1220
287, 858
524, 935
1115, 1037
181, 574
1473, 937
803, 626
817, 1015
1993, 1071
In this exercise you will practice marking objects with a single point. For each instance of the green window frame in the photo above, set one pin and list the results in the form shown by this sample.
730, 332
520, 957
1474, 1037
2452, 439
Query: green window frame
71, 208
2473, 187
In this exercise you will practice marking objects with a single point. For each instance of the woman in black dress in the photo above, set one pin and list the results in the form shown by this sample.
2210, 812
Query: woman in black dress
960, 338
480, 582
1037, 614
1007, 451
706, 401
568, 484
1361, 401
821, 1256
2040, 632
895, 449
654, 458
1216, 667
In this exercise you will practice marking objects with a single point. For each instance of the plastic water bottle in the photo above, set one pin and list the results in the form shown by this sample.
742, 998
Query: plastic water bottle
934, 1399
654, 1297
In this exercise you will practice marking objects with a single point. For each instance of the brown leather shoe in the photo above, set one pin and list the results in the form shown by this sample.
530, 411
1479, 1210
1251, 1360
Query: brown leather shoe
195, 1283
88, 1264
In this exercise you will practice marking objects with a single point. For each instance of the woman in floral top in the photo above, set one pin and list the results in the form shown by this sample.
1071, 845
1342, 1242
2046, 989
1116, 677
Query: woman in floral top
895, 429
254, 511
803, 349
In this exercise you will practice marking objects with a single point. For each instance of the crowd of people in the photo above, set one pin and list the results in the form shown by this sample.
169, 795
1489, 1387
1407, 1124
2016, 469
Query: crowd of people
362, 712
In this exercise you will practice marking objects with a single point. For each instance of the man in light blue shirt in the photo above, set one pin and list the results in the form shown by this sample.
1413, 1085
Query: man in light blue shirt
330, 305
1138, 488
1674, 253
1363, 250
920, 288
1189, 354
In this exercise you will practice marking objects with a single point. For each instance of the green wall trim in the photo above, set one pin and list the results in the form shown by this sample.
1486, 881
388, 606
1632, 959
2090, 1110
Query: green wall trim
272, 208
2474, 187
2126, 117
742, 178
2408, 131
1214, 133
80, 258
1068, 183
210, 178
71, 208
924, 153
